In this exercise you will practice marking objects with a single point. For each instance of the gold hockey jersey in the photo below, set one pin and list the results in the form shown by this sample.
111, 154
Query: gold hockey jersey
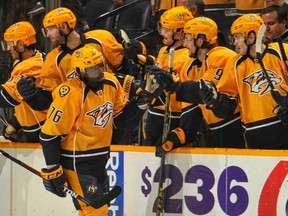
84, 116
181, 55
212, 70
57, 67
26, 116
244, 79
249, 5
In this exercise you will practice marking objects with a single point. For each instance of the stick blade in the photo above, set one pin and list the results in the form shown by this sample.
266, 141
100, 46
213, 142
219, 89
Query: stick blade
112, 194
124, 35
259, 38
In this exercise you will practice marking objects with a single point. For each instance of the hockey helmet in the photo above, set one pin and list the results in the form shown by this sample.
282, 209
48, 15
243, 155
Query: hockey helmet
58, 16
246, 24
21, 31
202, 26
175, 18
86, 57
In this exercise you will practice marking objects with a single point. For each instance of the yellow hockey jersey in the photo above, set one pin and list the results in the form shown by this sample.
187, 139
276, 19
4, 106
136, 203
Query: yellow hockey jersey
181, 55
27, 117
57, 67
212, 70
84, 116
249, 5
244, 79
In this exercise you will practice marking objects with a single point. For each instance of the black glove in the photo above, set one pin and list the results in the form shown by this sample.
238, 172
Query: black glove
282, 114
175, 139
279, 99
208, 94
170, 81
54, 179
133, 48
27, 88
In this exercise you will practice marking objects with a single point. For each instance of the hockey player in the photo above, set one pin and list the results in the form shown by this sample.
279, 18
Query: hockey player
20, 40
170, 26
59, 26
210, 60
244, 83
77, 134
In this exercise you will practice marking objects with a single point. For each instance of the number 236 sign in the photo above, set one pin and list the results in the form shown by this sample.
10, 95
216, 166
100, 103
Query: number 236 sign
229, 189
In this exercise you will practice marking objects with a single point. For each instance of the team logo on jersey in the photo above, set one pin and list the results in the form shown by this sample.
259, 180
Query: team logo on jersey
102, 115
92, 189
64, 90
258, 83
73, 74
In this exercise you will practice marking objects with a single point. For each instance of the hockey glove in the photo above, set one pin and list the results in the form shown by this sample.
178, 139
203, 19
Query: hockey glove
282, 114
133, 48
147, 92
27, 88
170, 81
208, 94
175, 139
279, 99
143, 59
54, 179
9, 133
12, 130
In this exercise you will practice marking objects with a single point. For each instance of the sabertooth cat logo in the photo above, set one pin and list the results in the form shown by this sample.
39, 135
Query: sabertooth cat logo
258, 83
102, 115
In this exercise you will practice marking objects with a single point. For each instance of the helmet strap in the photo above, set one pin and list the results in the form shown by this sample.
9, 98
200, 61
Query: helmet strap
249, 46
65, 35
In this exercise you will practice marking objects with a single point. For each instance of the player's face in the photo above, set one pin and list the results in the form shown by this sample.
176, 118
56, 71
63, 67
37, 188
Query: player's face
15, 48
167, 35
94, 73
53, 34
239, 43
189, 43
274, 28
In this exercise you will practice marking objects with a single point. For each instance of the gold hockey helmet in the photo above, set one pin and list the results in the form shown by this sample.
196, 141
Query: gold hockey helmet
21, 31
175, 18
58, 16
246, 24
202, 26
86, 57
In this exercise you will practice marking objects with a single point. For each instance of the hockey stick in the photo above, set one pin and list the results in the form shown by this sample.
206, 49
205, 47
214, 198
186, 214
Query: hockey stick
284, 57
164, 137
97, 204
125, 37
259, 42
116, 11
3, 120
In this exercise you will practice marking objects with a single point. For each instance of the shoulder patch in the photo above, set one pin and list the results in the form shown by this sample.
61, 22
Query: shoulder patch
64, 90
